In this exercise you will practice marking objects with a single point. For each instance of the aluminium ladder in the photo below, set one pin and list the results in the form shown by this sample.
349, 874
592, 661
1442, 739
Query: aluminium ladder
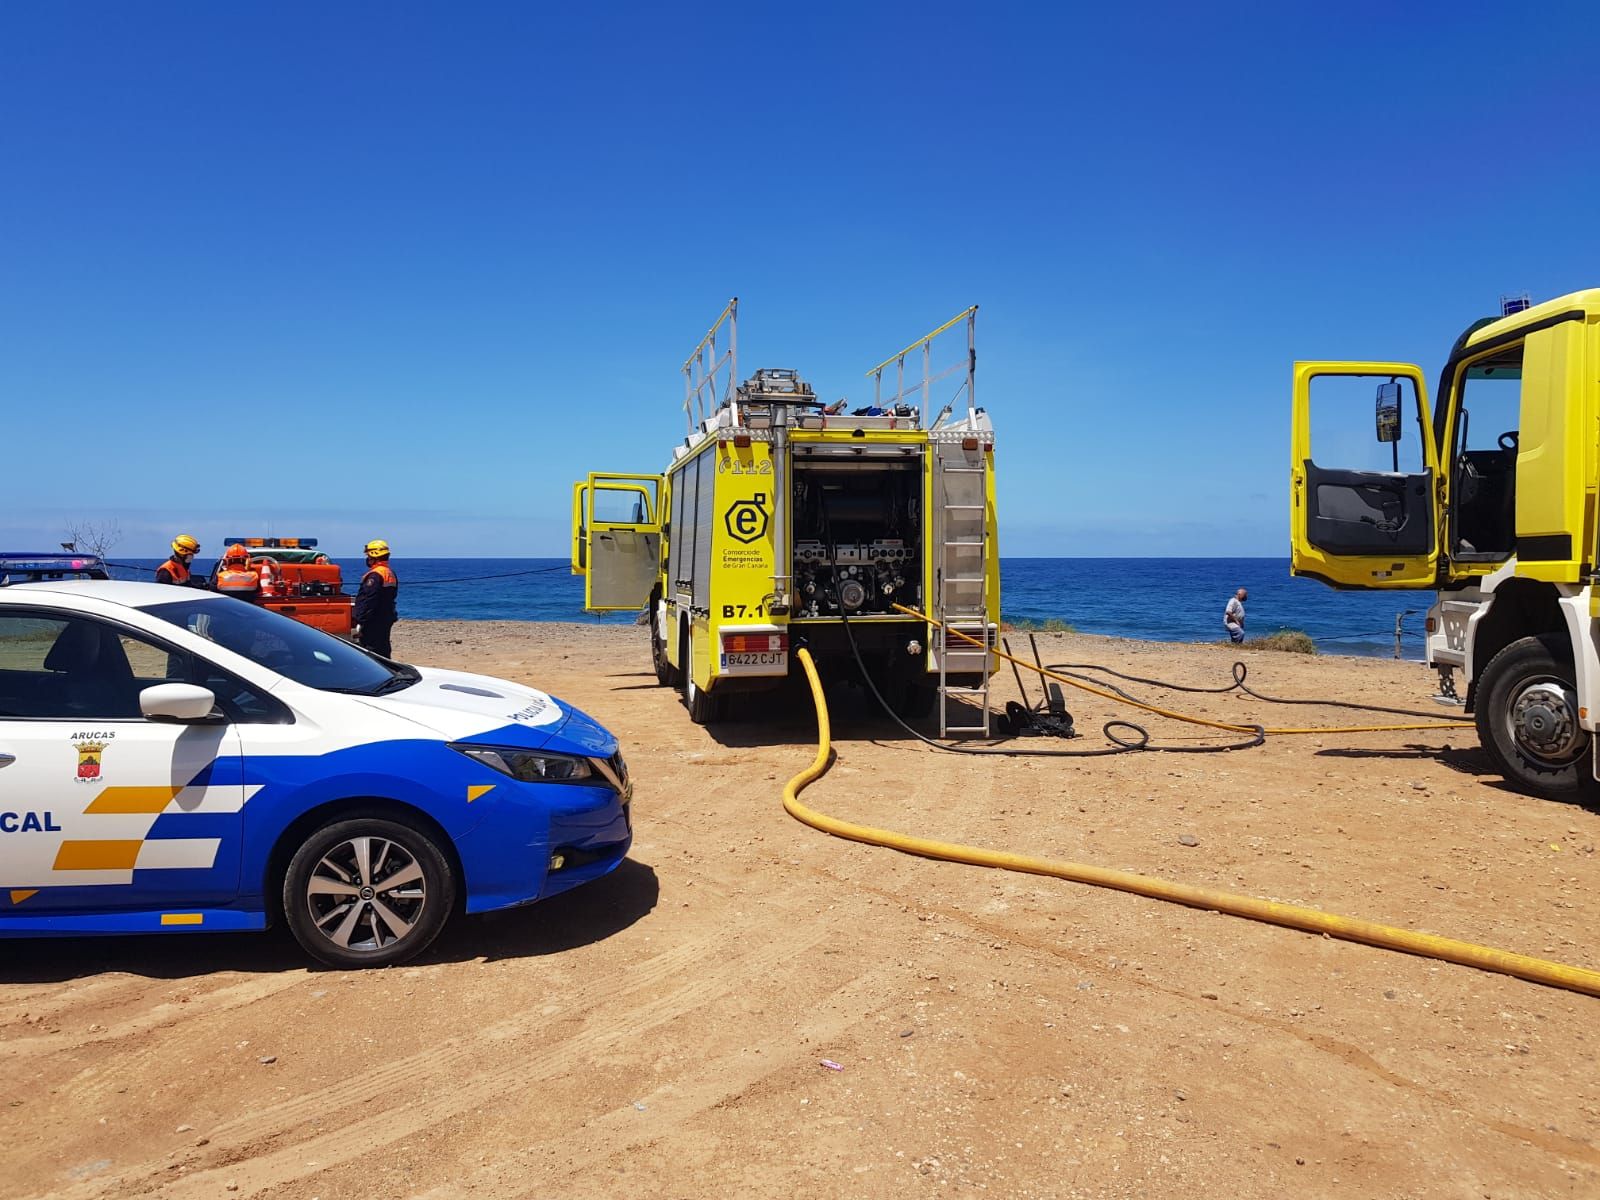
962, 583
960, 546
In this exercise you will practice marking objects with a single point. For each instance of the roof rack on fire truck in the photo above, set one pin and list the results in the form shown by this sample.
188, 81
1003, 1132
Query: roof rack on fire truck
923, 390
710, 379
776, 385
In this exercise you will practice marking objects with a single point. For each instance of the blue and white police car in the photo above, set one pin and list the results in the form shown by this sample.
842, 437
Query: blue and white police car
175, 760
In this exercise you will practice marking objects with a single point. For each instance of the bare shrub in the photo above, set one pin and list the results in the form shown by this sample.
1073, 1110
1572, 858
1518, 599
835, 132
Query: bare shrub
92, 537
1290, 641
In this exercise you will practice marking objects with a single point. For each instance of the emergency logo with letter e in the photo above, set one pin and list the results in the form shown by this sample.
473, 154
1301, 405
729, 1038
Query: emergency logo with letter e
89, 754
746, 520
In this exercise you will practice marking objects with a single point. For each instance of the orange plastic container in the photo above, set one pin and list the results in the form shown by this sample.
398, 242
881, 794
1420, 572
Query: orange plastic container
330, 614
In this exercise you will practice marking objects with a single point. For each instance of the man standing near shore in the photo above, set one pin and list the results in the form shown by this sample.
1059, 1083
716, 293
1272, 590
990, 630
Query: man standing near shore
1233, 615
375, 611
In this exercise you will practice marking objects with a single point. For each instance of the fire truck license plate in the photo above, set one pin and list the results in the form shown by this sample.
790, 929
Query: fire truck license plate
763, 658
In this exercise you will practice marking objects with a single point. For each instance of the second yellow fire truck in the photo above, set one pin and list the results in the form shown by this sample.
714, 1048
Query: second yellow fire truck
1489, 497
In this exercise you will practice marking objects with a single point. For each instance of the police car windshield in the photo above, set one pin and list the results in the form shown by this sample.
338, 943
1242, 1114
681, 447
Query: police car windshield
293, 650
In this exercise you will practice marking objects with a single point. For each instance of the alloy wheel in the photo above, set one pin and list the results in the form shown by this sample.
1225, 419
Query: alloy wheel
366, 893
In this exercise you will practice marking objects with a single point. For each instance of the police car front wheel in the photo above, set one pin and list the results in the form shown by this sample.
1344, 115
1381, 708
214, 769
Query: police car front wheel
367, 892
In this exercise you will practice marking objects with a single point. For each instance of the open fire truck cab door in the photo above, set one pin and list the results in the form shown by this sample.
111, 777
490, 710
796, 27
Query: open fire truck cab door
616, 539
1364, 476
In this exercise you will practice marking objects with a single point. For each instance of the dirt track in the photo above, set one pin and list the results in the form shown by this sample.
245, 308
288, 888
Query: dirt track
661, 1033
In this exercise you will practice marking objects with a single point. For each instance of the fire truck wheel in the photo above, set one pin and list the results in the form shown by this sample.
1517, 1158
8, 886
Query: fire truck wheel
1527, 718
915, 698
704, 708
367, 892
667, 675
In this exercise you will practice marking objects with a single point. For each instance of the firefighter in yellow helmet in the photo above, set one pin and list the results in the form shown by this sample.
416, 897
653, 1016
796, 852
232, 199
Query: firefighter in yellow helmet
375, 609
176, 569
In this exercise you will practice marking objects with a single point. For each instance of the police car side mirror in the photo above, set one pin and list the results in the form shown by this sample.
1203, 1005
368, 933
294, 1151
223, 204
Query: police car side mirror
177, 702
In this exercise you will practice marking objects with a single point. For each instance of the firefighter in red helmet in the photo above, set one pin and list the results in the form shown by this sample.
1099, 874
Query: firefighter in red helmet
236, 577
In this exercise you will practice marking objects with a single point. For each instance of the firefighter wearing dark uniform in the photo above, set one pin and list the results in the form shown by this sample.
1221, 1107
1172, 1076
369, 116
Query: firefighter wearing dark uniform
176, 569
375, 612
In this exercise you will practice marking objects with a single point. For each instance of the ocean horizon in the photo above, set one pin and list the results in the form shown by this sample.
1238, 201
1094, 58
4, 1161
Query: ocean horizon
1170, 599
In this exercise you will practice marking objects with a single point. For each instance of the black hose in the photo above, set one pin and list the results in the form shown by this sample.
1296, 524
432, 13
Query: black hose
475, 578
410, 583
1240, 671
1121, 745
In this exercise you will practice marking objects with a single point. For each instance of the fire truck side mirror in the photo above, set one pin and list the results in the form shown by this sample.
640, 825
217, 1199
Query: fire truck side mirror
1389, 412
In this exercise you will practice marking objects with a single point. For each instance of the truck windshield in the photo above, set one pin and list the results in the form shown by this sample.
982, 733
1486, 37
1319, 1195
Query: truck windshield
1491, 403
293, 650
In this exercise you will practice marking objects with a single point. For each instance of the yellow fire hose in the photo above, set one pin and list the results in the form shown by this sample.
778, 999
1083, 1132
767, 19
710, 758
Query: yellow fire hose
1535, 970
1178, 716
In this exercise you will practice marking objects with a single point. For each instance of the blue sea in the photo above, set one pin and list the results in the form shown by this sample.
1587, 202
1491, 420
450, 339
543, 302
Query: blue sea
1158, 599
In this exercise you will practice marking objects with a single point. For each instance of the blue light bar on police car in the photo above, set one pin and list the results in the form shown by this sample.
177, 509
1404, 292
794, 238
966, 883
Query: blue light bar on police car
51, 566
51, 562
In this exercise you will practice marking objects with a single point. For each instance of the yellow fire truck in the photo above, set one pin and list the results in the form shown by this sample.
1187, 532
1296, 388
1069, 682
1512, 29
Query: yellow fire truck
1490, 498
783, 521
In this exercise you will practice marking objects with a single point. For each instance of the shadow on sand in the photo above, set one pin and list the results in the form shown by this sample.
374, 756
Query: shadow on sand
787, 717
1470, 761
586, 914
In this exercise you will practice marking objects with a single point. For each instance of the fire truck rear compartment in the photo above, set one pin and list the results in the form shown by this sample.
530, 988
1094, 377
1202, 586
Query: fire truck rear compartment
857, 535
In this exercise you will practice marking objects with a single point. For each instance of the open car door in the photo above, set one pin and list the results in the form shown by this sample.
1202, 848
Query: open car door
616, 539
580, 539
1364, 472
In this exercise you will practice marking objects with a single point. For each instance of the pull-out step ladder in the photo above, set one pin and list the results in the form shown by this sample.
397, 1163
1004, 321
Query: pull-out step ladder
958, 546
962, 587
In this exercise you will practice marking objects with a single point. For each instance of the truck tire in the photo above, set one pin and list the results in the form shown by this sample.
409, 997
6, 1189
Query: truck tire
1527, 718
704, 708
914, 698
667, 675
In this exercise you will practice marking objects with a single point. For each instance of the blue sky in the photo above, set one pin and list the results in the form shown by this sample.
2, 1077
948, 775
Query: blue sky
405, 270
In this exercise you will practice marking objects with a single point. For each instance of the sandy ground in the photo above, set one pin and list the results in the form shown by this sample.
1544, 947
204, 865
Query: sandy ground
660, 1033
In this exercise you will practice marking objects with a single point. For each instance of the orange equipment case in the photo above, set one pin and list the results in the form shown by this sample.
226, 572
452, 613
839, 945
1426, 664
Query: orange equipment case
293, 584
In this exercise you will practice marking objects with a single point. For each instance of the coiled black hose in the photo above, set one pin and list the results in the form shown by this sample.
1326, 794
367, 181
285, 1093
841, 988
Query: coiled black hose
1121, 744
1240, 671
